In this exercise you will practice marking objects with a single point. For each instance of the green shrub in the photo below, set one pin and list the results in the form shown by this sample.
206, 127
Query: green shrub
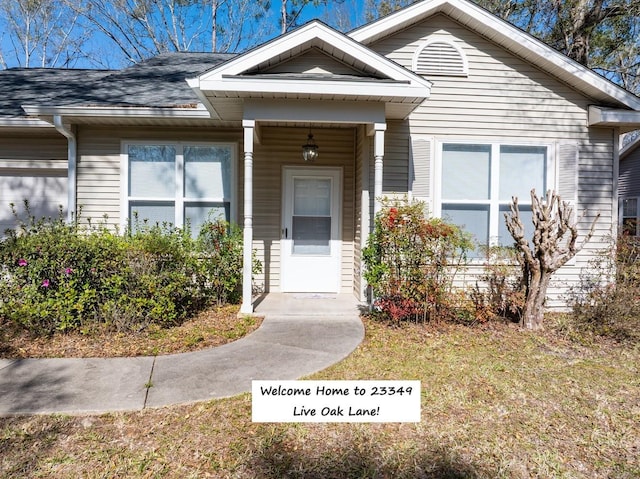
411, 262
56, 276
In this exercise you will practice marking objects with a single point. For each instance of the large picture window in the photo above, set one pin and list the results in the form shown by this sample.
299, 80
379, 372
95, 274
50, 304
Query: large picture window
478, 182
179, 183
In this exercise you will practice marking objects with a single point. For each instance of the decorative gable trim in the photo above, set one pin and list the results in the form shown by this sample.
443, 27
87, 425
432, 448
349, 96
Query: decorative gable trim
440, 56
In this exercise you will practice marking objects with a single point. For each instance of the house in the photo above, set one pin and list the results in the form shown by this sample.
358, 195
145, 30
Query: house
629, 188
440, 101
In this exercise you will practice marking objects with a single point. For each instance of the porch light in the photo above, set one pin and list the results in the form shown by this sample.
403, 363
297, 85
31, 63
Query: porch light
310, 149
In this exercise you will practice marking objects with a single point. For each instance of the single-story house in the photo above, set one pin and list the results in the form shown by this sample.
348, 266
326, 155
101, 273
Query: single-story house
629, 188
440, 101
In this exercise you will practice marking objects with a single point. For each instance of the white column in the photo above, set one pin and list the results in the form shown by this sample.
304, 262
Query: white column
378, 154
247, 300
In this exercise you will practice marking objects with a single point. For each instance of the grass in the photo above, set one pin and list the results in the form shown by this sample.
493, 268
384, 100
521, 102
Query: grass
214, 327
497, 402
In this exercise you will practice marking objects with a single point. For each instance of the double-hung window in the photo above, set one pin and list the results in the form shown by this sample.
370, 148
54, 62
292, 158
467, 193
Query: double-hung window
178, 183
478, 181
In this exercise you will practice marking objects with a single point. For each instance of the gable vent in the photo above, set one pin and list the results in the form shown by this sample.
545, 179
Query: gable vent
440, 57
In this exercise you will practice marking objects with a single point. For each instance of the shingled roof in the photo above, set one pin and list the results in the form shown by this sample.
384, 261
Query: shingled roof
156, 82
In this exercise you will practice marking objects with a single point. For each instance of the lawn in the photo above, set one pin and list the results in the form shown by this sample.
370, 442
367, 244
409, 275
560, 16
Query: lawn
497, 402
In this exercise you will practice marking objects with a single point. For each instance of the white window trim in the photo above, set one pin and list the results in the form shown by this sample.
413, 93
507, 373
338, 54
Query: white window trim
494, 202
178, 199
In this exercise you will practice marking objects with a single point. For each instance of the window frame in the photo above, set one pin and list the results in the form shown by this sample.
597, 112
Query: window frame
623, 217
178, 199
493, 202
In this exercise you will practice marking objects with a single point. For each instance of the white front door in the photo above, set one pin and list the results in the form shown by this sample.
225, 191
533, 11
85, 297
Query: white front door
311, 246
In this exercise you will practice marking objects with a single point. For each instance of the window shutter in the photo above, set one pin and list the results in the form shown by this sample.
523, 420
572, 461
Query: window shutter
568, 173
568, 179
441, 57
420, 172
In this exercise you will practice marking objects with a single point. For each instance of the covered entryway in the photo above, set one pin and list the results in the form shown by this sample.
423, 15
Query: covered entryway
314, 77
311, 224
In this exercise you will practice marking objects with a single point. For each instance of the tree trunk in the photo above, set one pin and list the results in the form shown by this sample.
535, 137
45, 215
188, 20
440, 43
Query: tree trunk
533, 313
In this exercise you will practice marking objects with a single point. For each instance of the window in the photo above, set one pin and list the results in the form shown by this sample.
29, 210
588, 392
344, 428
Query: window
629, 213
478, 182
179, 183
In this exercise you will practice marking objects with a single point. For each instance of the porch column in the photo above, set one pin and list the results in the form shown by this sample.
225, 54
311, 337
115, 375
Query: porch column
378, 154
247, 258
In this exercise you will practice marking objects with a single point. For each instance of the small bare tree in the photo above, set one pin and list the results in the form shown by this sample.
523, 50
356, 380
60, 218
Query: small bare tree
554, 243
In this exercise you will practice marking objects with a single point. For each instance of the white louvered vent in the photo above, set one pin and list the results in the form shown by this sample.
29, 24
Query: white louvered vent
440, 57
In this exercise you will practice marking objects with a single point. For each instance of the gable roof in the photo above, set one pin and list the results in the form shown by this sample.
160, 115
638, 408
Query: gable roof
629, 148
158, 82
370, 76
509, 37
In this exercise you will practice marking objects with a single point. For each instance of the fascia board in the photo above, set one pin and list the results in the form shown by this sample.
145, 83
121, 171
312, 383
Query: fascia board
311, 32
394, 21
133, 112
507, 35
24, 123
356, 88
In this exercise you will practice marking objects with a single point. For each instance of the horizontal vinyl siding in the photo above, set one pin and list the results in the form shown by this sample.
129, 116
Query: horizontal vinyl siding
502, 96
629, 184
505, 99
282, 147
99, 176
396, 158
313, 60
33, 152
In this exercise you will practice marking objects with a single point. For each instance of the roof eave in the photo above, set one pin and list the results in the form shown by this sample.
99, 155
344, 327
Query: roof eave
628, 149
24, 122
316, 87
117, 111
625, 120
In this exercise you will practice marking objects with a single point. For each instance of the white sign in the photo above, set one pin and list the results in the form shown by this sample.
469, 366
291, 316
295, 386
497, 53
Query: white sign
335, 401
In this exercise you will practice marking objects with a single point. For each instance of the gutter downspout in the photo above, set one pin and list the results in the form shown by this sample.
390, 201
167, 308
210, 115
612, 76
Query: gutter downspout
72, 155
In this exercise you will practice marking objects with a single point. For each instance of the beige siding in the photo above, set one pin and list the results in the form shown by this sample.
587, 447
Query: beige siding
281, 147
49, 151
34, 168
502, 95
505, 99
313, 61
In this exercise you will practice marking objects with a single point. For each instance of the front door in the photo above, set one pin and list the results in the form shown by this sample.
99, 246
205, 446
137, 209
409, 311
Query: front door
311, 246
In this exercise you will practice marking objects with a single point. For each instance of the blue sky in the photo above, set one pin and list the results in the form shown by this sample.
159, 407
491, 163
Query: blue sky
108, 54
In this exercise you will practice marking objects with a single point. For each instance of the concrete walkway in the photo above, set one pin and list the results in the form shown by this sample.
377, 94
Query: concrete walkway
301, 334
